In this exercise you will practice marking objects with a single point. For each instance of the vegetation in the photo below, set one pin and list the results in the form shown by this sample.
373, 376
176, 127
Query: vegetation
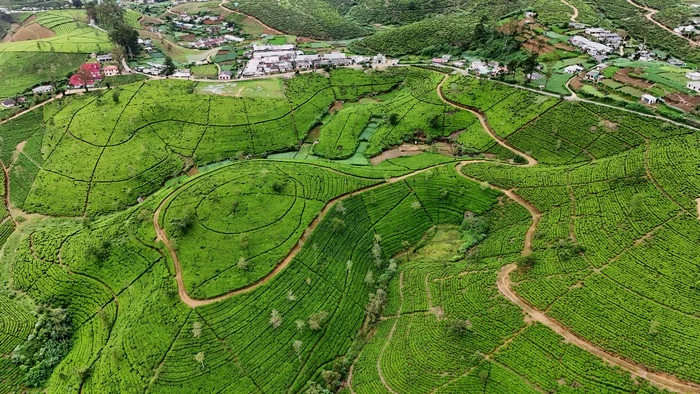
175, 254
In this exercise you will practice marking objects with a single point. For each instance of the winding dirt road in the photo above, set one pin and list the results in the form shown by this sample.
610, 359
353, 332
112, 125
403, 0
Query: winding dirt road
574, 15
196, 302
650, 12
531, 161
659, 379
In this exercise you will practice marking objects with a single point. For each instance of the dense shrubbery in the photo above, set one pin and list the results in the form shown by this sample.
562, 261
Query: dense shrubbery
48, 343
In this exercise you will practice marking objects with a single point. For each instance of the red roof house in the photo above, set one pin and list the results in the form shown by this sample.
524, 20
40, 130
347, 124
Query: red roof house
86, 76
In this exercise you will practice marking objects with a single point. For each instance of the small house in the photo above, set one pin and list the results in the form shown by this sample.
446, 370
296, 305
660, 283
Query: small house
594, 76
225, 75
110, 71
648, 99
693, 75
42, 89
694, 86
104, 58
183, 73
9, 103
573, 69
439, 60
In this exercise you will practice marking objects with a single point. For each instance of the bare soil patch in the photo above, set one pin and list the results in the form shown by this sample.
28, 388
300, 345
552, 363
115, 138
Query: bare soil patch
337, 106
402, 150
624, 77
31, 31
682, 101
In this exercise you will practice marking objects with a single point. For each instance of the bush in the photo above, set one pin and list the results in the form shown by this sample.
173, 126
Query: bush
180, 226
45, 347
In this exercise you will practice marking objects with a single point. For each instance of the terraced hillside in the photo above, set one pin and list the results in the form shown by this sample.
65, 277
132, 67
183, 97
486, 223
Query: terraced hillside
557, 256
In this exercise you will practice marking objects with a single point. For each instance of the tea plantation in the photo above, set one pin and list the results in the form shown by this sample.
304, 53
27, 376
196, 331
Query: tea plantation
157, 238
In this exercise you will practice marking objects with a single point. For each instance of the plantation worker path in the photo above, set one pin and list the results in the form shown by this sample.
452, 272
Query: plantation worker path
659, 379
650, 12
575, 10
531, 161
193, 302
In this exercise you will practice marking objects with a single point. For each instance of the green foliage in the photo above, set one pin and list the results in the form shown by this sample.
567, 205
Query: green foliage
309, 18
47, 345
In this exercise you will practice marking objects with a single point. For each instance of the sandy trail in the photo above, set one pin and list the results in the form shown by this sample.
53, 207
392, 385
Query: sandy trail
573, 8
659, 379
650, 12
531, 161
194, 302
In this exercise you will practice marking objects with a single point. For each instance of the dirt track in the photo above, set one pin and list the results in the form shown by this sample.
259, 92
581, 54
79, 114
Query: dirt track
575, 14
650, 12
531, 161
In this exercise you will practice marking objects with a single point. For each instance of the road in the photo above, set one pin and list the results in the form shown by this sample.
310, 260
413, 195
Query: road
575, 13
650, 12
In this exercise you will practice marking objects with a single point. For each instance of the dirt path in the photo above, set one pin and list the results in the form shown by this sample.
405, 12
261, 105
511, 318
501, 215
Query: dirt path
388, 339
650, 12
534, 212
659, 379
6, 185
20, 113
194, 302
575, 14
531, 161
269, 30
698, 203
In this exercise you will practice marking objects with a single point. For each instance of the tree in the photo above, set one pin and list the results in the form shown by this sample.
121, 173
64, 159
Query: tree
275, 318
91, 11
196, 329
199, 357
296, 345
242, 264
169, 66
77, 3
316, 319
126, 37
115, 96
460, 327
529, 66
394, 119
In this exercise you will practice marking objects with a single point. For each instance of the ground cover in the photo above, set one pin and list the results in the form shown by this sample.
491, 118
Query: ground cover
585, 263
131, 140
263, 88
72, 35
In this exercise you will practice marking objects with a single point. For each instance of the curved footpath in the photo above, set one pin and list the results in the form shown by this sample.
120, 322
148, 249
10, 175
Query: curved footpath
659, 379
650, 12
574, 15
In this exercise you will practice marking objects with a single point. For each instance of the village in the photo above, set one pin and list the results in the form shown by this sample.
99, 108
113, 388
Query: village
600, 64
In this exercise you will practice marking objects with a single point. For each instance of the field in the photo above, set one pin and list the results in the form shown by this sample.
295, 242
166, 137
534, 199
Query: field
22, 70
235, 238
263, 88
72, 34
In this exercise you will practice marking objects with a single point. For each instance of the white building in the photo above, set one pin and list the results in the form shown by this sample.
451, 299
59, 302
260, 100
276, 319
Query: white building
693, 75
42, 89
184, 73
225, 75
573, 69
694, 86
648, 99
592, 47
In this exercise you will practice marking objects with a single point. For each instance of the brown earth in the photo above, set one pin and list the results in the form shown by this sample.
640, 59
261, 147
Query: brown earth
682, 101
624, 77
30, 30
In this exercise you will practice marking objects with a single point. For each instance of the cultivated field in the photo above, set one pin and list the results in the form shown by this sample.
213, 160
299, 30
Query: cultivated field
554, 249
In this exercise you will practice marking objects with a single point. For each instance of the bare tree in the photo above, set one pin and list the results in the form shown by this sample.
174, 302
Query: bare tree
199, 357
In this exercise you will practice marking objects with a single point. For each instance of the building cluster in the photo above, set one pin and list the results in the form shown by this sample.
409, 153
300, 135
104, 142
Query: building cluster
152, 69
596, 41
270, 59
487, 68
689, 29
